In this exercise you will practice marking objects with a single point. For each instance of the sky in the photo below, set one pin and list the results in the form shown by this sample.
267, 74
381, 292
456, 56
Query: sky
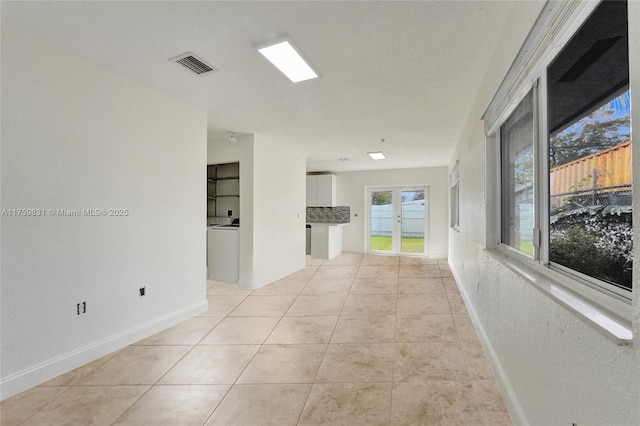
621, 107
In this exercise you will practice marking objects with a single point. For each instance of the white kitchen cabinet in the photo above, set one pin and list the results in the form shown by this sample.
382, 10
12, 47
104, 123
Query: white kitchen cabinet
326, 240
312, 191
321, 190
326, 190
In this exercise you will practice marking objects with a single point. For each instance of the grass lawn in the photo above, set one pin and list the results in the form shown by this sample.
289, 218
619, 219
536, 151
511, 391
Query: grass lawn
409, 245
527, 247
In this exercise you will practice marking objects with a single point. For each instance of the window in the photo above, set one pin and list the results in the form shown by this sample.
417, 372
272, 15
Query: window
454, 184
589, 126
563, 151
516, 166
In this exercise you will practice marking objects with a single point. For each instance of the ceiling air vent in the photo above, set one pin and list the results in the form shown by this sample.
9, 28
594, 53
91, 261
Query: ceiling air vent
193, 63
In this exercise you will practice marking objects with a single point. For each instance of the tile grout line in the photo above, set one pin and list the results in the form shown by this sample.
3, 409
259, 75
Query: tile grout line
46, 405
395, 345
324, 353
235, 383
178, 361
198, 344
340, 315
466, 363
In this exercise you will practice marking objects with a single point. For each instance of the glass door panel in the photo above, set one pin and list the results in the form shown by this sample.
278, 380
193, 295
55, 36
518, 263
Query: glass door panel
397, 220
381, 221
412, 221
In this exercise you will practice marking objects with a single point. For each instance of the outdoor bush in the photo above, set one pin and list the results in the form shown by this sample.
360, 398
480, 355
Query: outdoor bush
596, 242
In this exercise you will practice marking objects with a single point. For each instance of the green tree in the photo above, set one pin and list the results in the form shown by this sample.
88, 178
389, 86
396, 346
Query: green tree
419, 195
595, 132
380, 198
523, 173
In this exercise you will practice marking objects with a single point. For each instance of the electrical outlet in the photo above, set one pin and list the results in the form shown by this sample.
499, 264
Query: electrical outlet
81, 308
143, 291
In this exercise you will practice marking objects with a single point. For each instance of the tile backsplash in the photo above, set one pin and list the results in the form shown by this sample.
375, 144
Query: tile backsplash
340, 214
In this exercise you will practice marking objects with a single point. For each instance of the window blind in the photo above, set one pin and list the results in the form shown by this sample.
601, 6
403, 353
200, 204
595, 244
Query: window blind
542, 43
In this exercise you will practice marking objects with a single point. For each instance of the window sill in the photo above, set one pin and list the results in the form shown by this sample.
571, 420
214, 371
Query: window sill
589, 311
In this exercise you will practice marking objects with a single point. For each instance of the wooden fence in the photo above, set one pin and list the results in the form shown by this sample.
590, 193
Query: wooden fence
602, 176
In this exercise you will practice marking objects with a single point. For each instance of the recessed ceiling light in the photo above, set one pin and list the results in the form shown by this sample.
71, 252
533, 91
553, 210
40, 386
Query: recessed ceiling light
377, 155
287, 59
232, 138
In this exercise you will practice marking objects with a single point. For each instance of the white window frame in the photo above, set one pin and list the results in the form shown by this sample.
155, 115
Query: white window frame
589, 297
536, 206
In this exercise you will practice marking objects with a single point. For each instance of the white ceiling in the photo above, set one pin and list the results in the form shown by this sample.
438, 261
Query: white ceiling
405, 72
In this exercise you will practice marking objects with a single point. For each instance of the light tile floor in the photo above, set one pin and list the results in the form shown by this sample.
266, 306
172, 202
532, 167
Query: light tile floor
357, 340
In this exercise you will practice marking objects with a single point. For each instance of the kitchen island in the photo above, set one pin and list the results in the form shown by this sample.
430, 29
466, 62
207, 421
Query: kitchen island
326, 240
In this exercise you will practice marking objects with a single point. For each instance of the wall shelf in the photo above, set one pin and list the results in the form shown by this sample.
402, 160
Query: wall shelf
216, 179
223, 189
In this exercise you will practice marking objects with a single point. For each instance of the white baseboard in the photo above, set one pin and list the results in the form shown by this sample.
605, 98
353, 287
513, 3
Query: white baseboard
510, 399
430, 255
54, 367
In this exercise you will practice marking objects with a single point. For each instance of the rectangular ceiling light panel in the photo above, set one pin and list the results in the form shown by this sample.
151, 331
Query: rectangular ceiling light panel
287, 59
379, 155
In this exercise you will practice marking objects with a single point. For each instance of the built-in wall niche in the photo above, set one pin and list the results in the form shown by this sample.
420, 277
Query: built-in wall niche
223, 189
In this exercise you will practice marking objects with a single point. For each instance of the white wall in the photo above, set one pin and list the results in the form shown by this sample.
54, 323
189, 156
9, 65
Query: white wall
272, 205
280, 187
351, 192
78, 136
555, 368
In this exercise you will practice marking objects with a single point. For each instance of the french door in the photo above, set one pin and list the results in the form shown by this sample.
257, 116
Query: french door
397, 220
